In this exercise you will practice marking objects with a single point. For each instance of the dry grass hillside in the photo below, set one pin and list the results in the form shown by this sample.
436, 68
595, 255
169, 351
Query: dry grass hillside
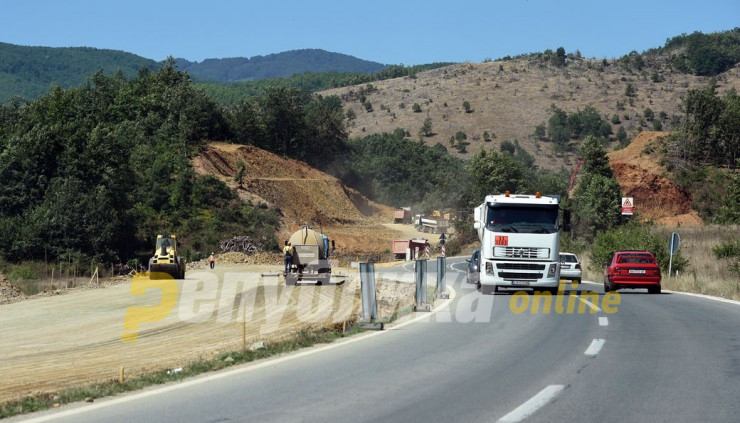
639, 173
510, 98
303, 195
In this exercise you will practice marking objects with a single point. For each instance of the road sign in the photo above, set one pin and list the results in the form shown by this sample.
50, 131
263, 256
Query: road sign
673, 247
628, 206
442, 239
675, 243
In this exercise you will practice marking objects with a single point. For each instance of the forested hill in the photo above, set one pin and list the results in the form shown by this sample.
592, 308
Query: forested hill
29, 72
277, 65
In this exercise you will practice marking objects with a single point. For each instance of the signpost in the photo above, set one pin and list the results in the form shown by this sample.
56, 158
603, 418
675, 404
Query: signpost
628, 206
673, 247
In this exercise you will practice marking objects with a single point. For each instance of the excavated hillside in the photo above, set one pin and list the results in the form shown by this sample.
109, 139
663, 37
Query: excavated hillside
508, 99
303, 195
640, 175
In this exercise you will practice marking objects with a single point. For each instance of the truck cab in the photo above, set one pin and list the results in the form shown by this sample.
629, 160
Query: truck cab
520, 240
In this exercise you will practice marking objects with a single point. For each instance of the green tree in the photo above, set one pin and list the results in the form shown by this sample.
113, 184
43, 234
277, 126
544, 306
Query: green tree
494, 172
559, 59
621, 134
595, 159
416, 108
729, 212
615, 119
630, 90
558, 129
539, 132
507, 147
426, 128
241, 169
648, 114
466, 107
597, 204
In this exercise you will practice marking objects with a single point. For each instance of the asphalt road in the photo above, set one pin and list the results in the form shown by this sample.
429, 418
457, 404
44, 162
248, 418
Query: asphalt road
658, 358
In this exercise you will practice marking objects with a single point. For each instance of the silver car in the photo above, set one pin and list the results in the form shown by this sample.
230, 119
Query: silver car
570, 267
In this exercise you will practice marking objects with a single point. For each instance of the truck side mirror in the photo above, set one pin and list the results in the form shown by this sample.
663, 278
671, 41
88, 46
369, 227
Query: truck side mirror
477, 224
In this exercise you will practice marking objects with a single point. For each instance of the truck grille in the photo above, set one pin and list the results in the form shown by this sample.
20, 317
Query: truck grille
512, 275
521, 252
520, 266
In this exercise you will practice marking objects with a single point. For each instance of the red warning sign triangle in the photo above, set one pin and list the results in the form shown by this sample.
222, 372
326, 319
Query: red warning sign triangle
627, 203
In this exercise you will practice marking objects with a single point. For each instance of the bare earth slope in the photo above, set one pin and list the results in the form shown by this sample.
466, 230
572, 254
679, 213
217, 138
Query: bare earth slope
303, 195
510, 98
641, 176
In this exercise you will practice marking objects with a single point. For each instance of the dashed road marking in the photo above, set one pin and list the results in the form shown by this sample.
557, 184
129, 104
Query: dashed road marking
535, 403
603, 321
595, 346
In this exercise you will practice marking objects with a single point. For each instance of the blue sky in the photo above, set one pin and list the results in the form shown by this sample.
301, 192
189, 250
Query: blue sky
409, 32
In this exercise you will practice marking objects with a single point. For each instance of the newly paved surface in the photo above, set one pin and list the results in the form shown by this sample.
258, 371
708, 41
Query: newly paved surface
668, 357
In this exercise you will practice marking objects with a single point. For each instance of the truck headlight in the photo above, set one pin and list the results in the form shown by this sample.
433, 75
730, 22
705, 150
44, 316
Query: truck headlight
551, 271
489, 268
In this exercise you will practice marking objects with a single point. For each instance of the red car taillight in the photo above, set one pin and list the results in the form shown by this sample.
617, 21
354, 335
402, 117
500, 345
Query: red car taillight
578, 265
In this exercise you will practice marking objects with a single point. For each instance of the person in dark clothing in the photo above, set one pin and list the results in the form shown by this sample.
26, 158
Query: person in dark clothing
287, 256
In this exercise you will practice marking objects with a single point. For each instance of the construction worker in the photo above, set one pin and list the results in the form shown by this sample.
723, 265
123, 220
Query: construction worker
212, 261
288, 256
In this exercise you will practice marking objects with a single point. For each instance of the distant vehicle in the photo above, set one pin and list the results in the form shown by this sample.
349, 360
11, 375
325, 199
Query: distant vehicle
402, 215
434, 226
632, 269
570, 267
473, 267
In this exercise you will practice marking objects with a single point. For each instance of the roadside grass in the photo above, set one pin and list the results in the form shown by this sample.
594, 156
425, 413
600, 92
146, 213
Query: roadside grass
33, 277
706, 274
302, 339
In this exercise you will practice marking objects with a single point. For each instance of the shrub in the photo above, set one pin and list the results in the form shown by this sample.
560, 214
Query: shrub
416, 108
466, 107
630, 90
727, 249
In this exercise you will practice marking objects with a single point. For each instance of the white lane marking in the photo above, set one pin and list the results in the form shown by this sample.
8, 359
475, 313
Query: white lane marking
706, 297
595, 346
452, 266
603, 321
81, 408
535, 403
590, 304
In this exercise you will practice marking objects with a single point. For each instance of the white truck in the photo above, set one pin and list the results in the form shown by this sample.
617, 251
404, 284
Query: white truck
520, 241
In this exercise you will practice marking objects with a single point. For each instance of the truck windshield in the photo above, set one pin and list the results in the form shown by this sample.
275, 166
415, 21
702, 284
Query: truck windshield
522, 218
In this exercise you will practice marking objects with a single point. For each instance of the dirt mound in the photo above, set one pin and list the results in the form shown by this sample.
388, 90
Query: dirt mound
302, 194
639, 173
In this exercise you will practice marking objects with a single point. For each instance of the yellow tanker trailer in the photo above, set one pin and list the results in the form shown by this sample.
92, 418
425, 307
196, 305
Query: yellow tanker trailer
310, 261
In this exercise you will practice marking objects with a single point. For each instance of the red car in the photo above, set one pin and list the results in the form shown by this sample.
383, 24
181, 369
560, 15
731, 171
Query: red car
632, 269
